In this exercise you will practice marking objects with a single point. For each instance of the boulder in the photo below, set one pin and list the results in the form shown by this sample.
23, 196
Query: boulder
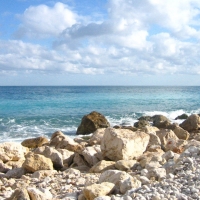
67, 156
97, 136
141, 123
91, 122
102, 166
53, 154
160, 121
61, 141
177, 146
96, 190
19, 194
154, 140
191, 123
165, 135
146, 118
123, 144
35, 162
35, 142
92, 155
12, 151
183, 116
147, 157
179, 132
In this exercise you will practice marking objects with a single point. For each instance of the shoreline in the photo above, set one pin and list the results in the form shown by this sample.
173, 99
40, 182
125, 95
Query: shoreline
151, 159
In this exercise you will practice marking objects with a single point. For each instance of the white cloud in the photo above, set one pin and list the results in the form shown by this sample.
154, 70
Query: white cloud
44, 21
138, 37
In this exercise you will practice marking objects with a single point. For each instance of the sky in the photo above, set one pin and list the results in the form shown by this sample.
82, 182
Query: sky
99, 42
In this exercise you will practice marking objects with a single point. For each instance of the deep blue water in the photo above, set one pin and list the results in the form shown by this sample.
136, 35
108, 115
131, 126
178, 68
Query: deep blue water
34, 111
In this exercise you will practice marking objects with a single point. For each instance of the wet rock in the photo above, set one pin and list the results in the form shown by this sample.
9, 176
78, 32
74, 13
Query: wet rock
161, 121
91, 122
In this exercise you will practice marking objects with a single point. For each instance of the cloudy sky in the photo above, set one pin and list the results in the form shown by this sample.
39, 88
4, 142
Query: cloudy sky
100, 42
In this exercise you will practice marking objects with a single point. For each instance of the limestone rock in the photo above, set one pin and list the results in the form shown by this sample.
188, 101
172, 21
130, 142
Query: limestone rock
180, 132
35, 142
102, 166
92, 155
52, 154
113, 176
154, 140
35, 162
160, 121
96, 190
36, 194
67, 156
61, 141
123, 144
91, 122
165, 135
191, 123
19, 194
125, 165
150, 129
4, 167
177, 146
128, 184
97, 136
12, 151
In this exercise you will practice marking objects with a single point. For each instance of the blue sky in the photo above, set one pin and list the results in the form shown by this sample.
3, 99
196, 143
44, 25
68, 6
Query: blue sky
100, 42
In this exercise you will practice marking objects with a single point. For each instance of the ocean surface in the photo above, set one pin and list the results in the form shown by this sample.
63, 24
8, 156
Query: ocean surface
27, 112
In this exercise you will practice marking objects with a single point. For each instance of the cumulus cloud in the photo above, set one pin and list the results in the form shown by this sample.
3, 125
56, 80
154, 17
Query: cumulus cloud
45, 21
137, 37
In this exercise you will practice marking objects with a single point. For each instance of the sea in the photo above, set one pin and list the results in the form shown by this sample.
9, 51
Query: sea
32, 111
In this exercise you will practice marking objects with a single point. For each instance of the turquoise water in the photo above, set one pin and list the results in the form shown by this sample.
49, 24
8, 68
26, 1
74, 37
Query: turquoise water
34, 111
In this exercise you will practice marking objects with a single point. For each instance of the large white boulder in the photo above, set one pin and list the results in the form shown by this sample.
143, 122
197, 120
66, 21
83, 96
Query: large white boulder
12, 151
123, 144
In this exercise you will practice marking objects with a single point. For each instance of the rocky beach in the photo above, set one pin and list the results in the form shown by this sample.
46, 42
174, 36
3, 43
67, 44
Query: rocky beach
154, 159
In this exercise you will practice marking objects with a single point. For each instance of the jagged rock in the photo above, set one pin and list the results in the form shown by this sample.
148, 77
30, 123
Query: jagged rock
35, 142
191, 123
150, 156
125, 165
91, 122
97, 136
15, 164
67, 156
154, 140
96, 190
92, 155
35, 162
176, 146
52, 154
180, 132
165, 135
12, 151
160, 121
123, 144
102, 166
61, 141
19, 194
